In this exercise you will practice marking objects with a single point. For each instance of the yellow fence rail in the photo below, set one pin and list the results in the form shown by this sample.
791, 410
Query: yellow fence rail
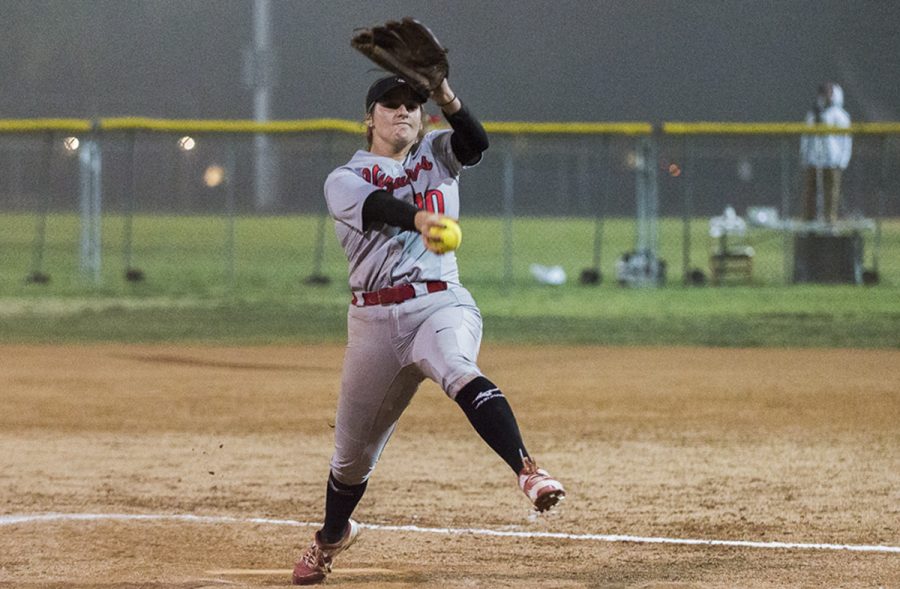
570, 128
508, 127
38, 125
297, 126
229, 126
793, 128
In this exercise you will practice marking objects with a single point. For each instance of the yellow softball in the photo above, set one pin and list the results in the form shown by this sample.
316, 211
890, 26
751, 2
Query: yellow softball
450, 236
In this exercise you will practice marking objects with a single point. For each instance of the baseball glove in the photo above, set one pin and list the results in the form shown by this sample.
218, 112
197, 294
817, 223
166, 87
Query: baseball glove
406, 48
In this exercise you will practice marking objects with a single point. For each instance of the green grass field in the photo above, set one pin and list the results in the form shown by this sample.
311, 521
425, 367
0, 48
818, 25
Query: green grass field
210, 281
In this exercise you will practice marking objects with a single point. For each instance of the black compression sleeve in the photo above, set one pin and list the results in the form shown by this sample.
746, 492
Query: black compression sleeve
382, 207
469, 139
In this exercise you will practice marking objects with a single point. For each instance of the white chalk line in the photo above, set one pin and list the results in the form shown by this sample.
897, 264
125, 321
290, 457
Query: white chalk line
14, 519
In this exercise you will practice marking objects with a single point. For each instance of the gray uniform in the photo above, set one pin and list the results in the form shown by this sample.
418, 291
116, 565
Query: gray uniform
392, 348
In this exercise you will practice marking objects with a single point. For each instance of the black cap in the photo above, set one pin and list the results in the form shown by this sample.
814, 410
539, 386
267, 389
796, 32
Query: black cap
384, 85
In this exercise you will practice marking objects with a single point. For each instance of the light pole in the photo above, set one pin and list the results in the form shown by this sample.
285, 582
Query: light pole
259, 74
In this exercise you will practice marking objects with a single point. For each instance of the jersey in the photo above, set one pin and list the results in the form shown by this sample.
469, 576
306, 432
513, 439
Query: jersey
383, 255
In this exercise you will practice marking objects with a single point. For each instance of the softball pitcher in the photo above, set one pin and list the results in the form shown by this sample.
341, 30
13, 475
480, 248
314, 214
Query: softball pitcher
409, 317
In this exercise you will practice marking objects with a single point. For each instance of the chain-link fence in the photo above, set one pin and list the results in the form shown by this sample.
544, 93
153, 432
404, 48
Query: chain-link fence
94, 202
755, 171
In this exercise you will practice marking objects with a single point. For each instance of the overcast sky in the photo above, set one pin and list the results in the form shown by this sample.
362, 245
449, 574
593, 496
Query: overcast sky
655, 60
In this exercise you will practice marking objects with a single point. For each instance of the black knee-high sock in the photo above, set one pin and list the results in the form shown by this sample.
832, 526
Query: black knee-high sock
492, 417
340, 501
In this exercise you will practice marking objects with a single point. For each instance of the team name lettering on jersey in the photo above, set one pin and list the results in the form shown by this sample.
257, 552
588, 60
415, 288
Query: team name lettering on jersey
422, 164
375, 175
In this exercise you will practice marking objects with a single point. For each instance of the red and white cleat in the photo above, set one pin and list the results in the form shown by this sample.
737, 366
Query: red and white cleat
316, 562
543, 490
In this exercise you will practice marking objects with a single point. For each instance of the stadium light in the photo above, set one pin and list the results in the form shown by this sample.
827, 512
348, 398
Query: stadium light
187, 143
70, 144
214, 176
634, 161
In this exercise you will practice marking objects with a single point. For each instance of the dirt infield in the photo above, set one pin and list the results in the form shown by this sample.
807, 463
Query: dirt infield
764, 446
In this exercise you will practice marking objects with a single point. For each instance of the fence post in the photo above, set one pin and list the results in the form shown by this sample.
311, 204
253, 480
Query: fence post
131, 274
90, 199
600, 211
647, 238
647, 198
37, 276
787, 245
230, 167
508, 206
879, 215
687, 175
318, 277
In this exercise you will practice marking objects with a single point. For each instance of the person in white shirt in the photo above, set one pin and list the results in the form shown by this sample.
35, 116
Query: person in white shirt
824, 157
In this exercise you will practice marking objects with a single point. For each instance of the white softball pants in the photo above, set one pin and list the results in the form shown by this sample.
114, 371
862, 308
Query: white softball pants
390, 350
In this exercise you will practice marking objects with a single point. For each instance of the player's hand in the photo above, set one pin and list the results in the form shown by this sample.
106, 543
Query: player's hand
425, 221
440, 234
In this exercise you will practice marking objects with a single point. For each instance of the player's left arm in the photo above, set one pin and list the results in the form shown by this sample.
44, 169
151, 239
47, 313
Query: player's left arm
469, 139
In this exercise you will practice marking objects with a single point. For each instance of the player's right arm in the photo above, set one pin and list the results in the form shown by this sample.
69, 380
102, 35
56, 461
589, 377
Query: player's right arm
352, 201
382, 207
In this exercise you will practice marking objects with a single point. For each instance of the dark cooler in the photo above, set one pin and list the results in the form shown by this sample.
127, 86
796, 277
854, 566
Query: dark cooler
830, 259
